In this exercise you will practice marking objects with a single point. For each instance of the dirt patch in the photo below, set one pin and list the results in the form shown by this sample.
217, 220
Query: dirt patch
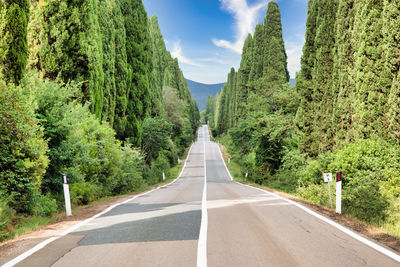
360, 227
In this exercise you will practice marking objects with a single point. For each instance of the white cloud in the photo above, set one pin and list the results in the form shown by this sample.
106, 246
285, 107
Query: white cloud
216, 60
246, 19
177, 53
294, 51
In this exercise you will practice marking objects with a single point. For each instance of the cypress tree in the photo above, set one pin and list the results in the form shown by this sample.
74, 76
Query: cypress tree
107, 30
159, 63
122, 71
243, 77
343, 85
391, 24
258, 49
221, 114
304, 86
14, 18
138, 56
322, 95
275, 58
372, 90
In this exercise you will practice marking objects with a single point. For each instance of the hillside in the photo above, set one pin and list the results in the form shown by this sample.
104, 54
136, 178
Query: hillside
200, 91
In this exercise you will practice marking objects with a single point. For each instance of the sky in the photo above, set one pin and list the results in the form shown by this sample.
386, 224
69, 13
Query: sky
207, 36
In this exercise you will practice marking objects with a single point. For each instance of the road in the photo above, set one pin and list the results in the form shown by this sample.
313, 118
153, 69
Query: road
204, 218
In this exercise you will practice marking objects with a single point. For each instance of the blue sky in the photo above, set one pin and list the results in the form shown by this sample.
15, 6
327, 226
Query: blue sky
207, 35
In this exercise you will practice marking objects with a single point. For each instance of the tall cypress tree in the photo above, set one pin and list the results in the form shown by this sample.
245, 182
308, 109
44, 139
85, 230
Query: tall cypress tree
343, 85
108, 30
391, 24
372, 90
138, 55
243, 77
14, 17
304, 85
322, 95
122, 71
159, 63
258, 49
275, 58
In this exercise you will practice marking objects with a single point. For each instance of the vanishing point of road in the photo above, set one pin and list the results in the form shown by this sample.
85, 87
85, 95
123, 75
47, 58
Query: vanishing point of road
204, 218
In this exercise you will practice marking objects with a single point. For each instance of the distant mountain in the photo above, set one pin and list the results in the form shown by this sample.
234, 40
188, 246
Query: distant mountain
292, 82
200, 92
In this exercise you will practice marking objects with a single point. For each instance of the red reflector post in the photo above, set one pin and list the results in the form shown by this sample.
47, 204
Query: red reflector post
338, 176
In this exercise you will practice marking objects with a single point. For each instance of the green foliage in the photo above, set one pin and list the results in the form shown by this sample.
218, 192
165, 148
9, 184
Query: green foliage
362, 197
83, 193
22, 147
43, 205
156, 137
14, 17
154, 175
6, 213
317, 193
80, 145
275, 58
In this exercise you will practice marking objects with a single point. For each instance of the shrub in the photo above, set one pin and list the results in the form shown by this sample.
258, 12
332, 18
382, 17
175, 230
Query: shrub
154, 174
22, 147
83, 193
43, 205
6, 213
129, 177
362, 198
317, 193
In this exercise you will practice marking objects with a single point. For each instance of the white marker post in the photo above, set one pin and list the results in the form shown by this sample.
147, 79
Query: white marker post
67, 196
339, 192
328, 179
245, 177
229, 160
163, 175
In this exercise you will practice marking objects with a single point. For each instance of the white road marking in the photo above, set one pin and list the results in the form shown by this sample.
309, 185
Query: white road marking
356, 236
202, 243
41, 245
223, 161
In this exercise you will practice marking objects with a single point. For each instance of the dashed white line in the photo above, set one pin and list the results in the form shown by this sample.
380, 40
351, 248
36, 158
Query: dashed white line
202, 243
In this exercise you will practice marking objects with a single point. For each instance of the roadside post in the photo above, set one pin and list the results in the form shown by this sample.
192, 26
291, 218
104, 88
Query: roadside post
229, 160
328, 179
339, 192
163, 175
67, 196
245, 177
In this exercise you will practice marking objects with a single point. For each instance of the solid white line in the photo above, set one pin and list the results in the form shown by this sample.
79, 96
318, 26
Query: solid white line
220, 153
73, 228
356, 236
202, 244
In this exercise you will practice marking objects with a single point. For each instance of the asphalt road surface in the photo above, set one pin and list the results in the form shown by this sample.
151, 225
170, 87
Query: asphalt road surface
217, 223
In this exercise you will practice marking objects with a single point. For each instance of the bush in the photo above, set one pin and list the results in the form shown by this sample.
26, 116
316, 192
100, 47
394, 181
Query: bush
362, 198
317, 193
154, 174
129, 178
22, 147
83, 193
6, 213
43, 205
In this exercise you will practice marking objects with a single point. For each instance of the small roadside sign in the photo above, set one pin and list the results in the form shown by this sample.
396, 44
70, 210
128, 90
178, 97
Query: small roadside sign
327, 177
